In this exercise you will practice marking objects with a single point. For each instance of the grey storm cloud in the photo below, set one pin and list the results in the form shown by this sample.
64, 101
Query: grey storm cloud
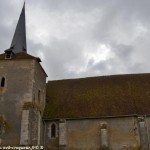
80, 38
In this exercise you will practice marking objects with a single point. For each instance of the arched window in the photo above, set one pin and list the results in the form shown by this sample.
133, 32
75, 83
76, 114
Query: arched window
33, 99
3, 82
39, 96
53, 130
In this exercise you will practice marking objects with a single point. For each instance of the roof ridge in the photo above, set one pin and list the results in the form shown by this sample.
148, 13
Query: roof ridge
102, 76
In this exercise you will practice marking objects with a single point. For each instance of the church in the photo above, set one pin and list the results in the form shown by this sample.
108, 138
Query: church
94, 113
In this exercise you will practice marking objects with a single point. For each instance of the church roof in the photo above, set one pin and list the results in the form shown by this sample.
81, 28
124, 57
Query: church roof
19, 39
102, 96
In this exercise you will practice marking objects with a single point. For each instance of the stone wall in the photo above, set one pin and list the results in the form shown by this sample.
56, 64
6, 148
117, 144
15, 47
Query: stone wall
147, 124
18, 87
39, 84
30, 124
117, 133
49, 142
24, 137
86, 134
143, 132
24, 78
36, 107
62, 133
33, 126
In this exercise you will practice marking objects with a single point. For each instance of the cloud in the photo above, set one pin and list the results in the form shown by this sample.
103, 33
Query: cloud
78, 38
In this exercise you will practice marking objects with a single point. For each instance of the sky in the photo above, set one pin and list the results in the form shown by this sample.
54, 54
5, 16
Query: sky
82, 38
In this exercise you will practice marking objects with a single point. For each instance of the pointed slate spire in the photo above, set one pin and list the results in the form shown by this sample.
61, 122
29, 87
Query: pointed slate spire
19, 40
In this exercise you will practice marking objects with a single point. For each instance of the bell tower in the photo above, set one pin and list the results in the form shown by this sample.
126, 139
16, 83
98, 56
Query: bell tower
22, 92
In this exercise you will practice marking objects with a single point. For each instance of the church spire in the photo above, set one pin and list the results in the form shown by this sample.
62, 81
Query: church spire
19, 40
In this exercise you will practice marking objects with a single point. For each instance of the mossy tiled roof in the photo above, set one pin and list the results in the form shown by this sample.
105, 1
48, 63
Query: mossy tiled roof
98, 96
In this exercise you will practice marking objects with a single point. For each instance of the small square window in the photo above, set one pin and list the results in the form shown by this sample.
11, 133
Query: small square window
8, 55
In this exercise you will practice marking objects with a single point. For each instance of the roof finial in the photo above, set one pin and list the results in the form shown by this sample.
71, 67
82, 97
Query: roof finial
19, 40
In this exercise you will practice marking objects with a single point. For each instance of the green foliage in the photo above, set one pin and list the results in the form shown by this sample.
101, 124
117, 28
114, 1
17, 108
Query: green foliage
5, 125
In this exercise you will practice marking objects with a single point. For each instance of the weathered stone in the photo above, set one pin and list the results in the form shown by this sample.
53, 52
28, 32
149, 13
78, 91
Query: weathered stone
104, 138
21, 86
24, 138
143, 133
62, 134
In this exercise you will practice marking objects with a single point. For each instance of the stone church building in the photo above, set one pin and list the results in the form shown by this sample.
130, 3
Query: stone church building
95, 113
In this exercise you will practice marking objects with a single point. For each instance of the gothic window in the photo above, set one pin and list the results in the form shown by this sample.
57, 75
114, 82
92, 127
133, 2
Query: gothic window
3, 82
53, 130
